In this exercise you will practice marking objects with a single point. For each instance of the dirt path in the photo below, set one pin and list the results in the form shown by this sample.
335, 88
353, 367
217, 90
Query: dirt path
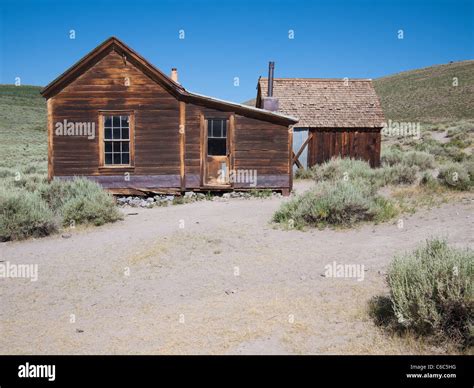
209, 277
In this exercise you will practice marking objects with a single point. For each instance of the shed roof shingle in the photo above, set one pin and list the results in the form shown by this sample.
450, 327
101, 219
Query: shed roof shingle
327, 103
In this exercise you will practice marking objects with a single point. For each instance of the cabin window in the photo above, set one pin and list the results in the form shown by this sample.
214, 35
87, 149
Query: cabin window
217, 137
117, 140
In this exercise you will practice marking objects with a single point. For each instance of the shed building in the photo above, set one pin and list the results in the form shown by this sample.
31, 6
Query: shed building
336, 117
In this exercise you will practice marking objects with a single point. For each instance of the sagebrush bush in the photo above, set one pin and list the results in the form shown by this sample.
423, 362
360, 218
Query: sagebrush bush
24, 214
6, 172
396, 175
87, 202
27, 182
340, 202
304, 173
455, 176
442, 151
431, 290
391, 156
55, 193
342, 168
33, 207
429, 181
469, 166
423, 160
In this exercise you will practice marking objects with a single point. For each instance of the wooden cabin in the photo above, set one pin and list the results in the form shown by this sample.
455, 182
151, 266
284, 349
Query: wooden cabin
116, 119
336, 117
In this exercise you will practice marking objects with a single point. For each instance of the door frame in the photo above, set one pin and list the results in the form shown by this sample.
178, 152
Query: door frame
229, 145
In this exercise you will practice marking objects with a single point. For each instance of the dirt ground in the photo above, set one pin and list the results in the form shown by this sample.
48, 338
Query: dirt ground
211, 278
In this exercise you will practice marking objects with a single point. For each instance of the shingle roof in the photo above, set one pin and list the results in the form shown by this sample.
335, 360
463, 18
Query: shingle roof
327, 103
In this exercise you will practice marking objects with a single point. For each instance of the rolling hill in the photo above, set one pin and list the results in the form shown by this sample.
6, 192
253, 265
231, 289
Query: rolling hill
429, 95
23, 128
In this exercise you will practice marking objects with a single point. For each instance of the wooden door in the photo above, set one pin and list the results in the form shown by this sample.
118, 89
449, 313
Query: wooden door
216, 153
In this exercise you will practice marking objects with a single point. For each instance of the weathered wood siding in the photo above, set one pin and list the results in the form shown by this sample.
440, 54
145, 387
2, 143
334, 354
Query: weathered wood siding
255, 145
263, 147
103, 87
350, 143
194, 142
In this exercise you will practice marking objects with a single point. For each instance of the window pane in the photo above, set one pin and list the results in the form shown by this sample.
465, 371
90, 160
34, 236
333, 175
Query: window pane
124, 121
125, 158
116, 121
217, 128
209, 128
217, 147
224, 128
116, 128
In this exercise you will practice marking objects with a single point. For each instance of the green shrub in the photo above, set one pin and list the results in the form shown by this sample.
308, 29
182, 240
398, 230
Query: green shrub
396, 174
383, 209
469, 166
260, 193
27, 182
304, 173
423, 160
431, 290
429, 181
391, 157
342, 168
55, 193
179, 200
454, 153
24, 214
455, 176
442, 151
6, 172
341, 202
88, 203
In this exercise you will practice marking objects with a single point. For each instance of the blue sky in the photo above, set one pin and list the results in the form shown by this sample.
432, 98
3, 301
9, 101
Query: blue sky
228, 39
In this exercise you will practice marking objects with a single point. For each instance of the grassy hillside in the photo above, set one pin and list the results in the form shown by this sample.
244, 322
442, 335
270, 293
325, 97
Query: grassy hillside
22, 129
427, 95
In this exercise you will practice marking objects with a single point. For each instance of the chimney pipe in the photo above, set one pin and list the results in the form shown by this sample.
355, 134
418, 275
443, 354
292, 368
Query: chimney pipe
174, 74
271, 68
269, 102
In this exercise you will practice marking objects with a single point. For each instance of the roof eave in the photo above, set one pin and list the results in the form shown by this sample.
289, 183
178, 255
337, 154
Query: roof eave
245, 110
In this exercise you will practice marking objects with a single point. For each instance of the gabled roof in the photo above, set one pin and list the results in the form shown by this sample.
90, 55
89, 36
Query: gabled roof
326, 103
158, 76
